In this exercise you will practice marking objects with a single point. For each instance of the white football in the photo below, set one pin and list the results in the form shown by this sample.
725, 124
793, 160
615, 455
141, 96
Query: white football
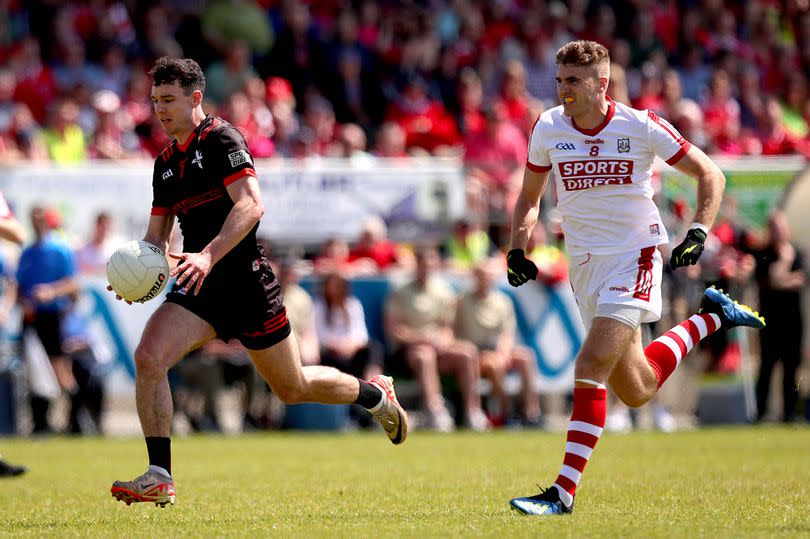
138, 271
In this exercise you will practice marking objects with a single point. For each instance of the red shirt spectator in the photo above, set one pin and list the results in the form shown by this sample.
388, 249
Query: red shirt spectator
720, 109
373, 245
499, 149
775, 138
36, 84
426, 123
514, 95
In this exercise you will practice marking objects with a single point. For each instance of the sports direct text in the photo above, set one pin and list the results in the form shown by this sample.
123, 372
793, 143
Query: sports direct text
577, 175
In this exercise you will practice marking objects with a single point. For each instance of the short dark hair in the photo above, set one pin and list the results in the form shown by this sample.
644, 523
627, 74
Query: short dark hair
582, 53
185, 71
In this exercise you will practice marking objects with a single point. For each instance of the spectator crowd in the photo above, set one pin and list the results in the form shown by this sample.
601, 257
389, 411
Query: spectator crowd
376, 78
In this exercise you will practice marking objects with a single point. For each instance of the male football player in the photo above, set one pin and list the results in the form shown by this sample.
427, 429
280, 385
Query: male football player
602, 155
225, 287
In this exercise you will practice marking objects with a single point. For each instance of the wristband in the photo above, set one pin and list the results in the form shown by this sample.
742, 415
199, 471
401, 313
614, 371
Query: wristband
700, 226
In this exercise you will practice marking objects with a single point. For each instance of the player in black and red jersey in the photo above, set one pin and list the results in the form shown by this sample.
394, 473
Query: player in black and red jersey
225, 287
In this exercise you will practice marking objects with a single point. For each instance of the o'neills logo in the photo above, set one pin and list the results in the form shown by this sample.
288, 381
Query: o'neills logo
154, 290
578, 175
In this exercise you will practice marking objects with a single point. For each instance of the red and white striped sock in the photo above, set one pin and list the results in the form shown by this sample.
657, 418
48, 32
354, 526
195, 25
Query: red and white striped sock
665, 353
587, 421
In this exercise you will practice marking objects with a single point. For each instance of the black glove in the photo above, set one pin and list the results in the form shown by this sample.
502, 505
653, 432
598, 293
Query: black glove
688, 252
520, 269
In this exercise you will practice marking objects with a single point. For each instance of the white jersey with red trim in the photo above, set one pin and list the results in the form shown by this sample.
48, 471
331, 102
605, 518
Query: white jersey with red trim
603, 176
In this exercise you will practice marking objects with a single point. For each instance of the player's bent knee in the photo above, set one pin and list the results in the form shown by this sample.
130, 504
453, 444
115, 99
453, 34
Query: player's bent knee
148, 360
290, 394
635, 399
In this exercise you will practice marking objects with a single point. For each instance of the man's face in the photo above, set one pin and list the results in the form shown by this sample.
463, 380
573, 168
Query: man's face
174, 108
578, 88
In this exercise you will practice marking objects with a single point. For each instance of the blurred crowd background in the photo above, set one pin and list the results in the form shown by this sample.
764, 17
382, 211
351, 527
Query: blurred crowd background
362, 80
337, 78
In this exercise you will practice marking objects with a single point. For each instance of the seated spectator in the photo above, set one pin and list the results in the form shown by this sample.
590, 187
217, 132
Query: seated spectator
114, 137
256, 92
485, 316
300, 311
514, 95
795, 96
224, 77
303, 146
351, 145
720, 107
470, 98
319, 116
541, 71
26, 136
114, 71
774, 137
92, 257
225, 21
36, 84
335, 257
239, 113
63, 136
342, 333
286, 128
419, 324
356, 94
374, 245
390, 142
496, 157
426, 123
467, 246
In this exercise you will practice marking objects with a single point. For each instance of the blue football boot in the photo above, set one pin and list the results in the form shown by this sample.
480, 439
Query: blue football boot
546, 503
731, 313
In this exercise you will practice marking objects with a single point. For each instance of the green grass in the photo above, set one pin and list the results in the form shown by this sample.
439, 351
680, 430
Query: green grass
750, 482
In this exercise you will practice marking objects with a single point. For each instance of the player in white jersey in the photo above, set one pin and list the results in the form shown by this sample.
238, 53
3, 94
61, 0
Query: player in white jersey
602, 154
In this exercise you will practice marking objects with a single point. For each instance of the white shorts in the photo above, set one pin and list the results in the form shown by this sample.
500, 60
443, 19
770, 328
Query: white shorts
618, 286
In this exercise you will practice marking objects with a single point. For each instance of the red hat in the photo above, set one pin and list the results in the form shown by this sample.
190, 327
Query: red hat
53, 219
278, 89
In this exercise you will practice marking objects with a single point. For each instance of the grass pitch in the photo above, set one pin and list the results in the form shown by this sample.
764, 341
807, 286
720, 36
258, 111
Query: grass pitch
750, 482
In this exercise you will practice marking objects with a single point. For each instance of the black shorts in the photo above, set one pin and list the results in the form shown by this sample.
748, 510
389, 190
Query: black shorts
48, 325
242, 303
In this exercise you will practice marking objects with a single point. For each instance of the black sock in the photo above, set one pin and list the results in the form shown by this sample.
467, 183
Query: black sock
370, 395
160, 452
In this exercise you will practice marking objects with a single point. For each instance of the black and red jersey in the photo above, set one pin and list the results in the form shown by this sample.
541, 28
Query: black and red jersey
190, 182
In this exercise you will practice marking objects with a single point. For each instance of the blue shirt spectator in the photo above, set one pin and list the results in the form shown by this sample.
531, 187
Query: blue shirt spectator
46, 261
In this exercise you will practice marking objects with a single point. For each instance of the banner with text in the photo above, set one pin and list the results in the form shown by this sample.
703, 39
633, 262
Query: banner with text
305, 202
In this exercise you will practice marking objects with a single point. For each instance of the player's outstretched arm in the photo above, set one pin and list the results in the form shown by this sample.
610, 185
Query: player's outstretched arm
711, 184
527, 210
247, 209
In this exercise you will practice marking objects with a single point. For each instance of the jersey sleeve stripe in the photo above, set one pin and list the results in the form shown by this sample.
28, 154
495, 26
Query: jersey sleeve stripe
685, 147
237, 175
537, 168
654, 117
157, 210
